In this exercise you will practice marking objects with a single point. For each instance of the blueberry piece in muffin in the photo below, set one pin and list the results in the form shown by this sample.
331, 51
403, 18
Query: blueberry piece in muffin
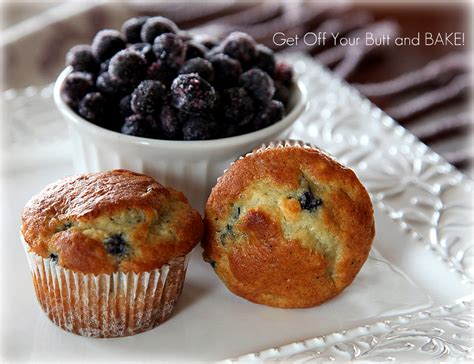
148, 97
258, 84
309, 202
170, 49
80, 58
288, 226
106, 43
156, 26
192, 94
132, 28
53, 257
116, 245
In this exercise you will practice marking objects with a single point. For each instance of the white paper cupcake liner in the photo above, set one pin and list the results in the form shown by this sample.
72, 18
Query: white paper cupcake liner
106, 305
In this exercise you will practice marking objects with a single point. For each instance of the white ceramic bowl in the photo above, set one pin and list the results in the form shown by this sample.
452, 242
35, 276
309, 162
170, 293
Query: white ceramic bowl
188, 166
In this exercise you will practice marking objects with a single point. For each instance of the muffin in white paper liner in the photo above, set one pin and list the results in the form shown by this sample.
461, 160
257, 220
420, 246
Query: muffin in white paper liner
106, 305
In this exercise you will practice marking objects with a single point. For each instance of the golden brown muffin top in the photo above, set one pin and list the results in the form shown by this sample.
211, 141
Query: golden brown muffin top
110, 221
288, 227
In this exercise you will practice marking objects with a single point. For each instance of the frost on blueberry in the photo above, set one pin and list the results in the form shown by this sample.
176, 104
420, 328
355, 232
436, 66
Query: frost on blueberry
148, 97
128, 67
106, 43
155, 26
151, 79
258, 84
132, 28
192, 94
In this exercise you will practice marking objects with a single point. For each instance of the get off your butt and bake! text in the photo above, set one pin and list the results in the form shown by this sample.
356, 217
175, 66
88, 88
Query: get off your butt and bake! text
369, 39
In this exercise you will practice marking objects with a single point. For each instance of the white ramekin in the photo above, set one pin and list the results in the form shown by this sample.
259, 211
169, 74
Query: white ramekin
188, 166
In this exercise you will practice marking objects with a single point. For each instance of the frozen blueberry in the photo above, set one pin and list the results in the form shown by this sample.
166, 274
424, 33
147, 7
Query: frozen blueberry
95, 108
156, 26
309, 202
116, 245
226, 70
282, 93
170, 49
159, 71
106, 43
144, 126
269, 114
170, 124
112, 86
240, 46
238, 108
264, 59
258, 85
104, 66
146, 50
148, 97
125, 107
128, 66
195, 49
191, 93
199, 127
75, 86
284, 74
80, 58
200, 66
132, 27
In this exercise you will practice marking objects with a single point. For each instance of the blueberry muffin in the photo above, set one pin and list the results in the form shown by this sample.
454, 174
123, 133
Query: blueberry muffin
108, 251
288, 226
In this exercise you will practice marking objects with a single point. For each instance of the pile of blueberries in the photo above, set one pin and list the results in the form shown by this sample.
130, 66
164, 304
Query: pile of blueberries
153, 80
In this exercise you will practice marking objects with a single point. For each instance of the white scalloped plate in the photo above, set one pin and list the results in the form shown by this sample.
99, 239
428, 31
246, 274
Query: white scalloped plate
411, 301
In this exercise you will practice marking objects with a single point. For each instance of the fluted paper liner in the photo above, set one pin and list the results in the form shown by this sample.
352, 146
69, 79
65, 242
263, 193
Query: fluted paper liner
106, 305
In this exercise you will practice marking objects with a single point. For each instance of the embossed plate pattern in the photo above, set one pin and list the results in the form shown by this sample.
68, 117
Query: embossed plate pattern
410, 302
